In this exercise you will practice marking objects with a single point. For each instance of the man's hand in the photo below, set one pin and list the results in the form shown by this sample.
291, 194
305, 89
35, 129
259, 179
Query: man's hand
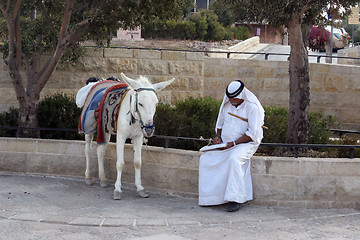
217, 140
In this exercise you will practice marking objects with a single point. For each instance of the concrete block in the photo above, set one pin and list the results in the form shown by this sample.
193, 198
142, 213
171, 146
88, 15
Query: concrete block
94, 52
186, 180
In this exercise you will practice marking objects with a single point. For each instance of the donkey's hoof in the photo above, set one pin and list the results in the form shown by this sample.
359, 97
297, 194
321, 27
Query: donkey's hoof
142, 194
104, 184
88, 182
117, 195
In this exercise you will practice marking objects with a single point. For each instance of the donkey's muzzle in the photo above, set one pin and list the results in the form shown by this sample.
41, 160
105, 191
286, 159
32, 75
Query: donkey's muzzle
148, 130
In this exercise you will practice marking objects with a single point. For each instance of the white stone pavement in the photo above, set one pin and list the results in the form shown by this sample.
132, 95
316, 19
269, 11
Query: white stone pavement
47, 207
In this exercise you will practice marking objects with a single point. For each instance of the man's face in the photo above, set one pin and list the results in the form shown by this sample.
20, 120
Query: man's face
236, 101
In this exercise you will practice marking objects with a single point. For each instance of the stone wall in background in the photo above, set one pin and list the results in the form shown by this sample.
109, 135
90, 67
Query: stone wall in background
335, 89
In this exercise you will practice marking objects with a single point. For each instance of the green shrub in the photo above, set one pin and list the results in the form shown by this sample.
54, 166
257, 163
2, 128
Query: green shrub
59, 111
9, 119
193, 118
276, 121
319, 127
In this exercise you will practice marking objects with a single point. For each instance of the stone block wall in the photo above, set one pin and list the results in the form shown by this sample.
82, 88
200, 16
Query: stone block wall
335, 89
277, 181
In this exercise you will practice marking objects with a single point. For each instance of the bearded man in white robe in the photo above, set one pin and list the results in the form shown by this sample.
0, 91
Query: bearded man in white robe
224, 174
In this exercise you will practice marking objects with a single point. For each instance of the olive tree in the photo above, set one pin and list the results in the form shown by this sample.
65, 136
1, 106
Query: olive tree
56, 27
298, 16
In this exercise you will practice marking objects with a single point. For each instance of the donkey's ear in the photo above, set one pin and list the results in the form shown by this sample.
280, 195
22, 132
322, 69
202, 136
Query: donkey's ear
159, 86
131, 82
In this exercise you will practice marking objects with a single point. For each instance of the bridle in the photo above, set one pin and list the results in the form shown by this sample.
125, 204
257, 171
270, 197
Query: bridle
136, 110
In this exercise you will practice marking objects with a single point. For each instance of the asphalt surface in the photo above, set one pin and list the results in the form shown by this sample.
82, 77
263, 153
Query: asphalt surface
282, 49
46, 207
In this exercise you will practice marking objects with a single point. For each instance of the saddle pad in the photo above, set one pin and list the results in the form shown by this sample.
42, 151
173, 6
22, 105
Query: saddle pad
98, 102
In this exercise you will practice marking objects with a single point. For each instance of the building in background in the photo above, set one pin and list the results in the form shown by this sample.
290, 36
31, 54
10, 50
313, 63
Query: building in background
202, 4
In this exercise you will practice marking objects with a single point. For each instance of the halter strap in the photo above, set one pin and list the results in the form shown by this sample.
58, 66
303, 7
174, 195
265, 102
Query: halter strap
145, 89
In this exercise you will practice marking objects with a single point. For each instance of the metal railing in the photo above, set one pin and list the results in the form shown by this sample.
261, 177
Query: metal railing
166, 139
228, 53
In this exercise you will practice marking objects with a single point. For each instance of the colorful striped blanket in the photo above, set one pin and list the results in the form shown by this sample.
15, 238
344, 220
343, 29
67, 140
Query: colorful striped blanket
101, 108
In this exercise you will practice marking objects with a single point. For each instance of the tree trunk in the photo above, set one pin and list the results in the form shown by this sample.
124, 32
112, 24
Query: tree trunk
298, 120
28, 118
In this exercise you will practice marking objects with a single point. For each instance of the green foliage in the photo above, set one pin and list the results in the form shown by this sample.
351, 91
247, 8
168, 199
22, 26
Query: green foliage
193, 118
9, 119
58, 111
276, 121
201, 26
319, 127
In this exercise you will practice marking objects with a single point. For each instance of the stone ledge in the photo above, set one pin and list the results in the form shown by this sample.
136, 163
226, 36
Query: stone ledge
277, 181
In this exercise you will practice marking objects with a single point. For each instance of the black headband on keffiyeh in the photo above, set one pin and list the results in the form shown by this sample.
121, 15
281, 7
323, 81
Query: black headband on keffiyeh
234, 88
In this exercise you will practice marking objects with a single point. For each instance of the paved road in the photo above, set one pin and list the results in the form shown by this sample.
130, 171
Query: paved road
275, 48
44, 207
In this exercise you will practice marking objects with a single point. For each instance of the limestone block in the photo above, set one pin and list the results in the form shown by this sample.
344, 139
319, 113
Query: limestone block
5, 80
196, 83
186, 68
316, 82
70, 80
274, 187
349, 100
319, 204
315, 188
282, 73
158, 176
343, 205
321, 100
39, 163
275, 84
279, 99
350, 115
194, 56
333, 83
345, 167
245, 72
351, 84
173, 55
313, 167
165, 96
121, 65
93, 64
279, 166
264, 72
118, 52
7, 95
180, 83
13, 161
94, 52
292, 204
152, 67
348, 189
186, 180
170, 157
147, 54
320, 67
182, 95
220, 71
17, 145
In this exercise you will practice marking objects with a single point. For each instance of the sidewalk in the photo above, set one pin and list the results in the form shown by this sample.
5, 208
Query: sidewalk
44, 207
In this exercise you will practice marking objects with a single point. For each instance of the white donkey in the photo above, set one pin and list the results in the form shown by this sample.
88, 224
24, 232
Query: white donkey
135, 120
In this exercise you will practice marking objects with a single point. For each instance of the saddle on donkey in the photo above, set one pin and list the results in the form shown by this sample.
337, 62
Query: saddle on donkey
101, 108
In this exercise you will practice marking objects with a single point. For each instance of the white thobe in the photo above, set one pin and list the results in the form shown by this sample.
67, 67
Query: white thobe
224, 175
